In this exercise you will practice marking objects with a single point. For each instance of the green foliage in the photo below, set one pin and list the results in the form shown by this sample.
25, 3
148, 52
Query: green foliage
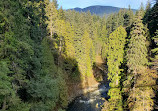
63, 91
103, 39
128, 18
48, 65
6, 91
51, 14
55, 3
151, 19
115, 58
42, 47
137, 52
141, 96
115, 101
116, 55
123, 17
140, 78
155, 52
20, 106
44, 89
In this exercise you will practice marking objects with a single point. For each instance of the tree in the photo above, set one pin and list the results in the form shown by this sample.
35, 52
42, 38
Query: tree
128, 18
115, 58
52, 14
137, 52
104, 39
15, 53
84, 60
61, 14
116, 54
137, 68
6, 92
55, 3
141, 97
155, 53
69, 41
151, 19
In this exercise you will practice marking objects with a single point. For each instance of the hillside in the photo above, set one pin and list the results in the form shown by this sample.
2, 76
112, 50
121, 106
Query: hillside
99, 10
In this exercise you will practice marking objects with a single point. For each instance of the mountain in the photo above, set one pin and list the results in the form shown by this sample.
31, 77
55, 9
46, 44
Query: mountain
99, 10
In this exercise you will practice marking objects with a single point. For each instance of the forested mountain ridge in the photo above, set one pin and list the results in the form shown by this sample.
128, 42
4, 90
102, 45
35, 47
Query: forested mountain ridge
100, 10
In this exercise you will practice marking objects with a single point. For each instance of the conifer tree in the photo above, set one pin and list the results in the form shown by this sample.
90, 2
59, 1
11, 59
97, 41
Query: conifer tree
52, 14
115, 58
137, 52
104, 39
141, 97
116, 54
55, 3
39, 43
151, 18
61, 14
5, 85
85, 64
128, 18
155, 52
15, 53
69, 43
137, 61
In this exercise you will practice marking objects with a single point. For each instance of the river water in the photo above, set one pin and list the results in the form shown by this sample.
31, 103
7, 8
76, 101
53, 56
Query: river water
91, 101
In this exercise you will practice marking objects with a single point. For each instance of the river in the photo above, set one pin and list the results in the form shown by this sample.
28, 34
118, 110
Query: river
91, 101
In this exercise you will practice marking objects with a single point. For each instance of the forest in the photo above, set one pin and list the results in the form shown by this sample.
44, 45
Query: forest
46, 50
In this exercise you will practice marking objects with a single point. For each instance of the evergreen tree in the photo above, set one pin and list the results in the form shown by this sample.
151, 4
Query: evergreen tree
137, 61
52, 14
61, 14
137, 52
84, 59
116, 54
69, 43
15, 53
7, 93
128, 18
55, 3
151, 18
141, 97
115, 58
104, 39
155, 52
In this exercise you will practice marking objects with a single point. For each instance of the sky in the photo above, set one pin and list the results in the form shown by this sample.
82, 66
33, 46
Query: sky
67, 4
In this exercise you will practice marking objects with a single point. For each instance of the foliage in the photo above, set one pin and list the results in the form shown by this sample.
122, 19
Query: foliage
43, 47
137, 52
116, 54
115, 58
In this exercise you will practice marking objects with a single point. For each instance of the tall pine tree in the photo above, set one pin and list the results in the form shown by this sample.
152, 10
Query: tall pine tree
115, 58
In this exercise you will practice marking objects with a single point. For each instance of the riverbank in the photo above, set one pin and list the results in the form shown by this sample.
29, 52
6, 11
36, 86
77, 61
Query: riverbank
91, 101
76, 90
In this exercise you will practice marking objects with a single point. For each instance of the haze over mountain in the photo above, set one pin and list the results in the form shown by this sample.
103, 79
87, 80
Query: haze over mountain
99, 10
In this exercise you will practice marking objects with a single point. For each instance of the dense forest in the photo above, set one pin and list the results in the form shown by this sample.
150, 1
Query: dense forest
44, 48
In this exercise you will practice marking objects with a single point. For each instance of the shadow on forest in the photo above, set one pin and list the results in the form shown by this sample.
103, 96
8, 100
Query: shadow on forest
93, 100
78, 99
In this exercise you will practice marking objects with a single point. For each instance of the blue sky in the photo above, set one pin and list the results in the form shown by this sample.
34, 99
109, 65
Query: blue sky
66, 4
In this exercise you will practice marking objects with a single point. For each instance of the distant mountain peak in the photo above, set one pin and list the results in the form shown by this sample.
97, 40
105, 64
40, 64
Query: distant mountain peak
99, 9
